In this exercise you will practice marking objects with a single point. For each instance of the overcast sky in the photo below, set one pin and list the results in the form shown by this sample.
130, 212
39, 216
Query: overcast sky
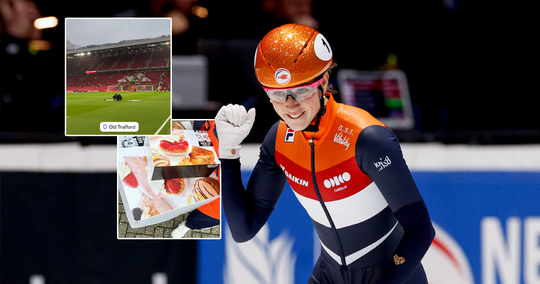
85, 32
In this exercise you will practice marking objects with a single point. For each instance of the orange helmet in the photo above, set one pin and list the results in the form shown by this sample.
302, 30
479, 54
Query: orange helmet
290, 55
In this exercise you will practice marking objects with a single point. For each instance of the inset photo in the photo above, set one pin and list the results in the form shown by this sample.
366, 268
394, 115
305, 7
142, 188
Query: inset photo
118, 76
169, 185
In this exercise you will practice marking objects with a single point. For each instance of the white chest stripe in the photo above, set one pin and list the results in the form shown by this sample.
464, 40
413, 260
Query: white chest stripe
356, 255
348, 211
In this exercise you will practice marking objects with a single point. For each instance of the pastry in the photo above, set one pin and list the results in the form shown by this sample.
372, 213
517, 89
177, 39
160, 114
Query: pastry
184, 162
161, 161
175, 185
148, 207
153, 207
172, 145
205, 187
177, 125
200, 155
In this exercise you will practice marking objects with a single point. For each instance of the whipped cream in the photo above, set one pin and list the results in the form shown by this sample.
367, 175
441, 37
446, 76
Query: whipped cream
123, 171
158, 186
170, 138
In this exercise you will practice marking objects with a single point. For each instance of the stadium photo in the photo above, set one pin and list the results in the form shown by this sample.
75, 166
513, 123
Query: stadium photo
118, 87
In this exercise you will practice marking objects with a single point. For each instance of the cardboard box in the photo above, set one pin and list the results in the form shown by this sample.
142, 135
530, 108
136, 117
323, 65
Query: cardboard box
155, 185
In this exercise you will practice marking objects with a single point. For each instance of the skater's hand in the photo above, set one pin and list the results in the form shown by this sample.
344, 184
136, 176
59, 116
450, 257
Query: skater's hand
233, 124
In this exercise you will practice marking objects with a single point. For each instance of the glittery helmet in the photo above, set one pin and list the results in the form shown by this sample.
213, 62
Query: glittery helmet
291, 55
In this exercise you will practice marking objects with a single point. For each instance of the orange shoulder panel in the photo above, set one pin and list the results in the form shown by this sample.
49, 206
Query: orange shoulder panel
360, 117
335, 146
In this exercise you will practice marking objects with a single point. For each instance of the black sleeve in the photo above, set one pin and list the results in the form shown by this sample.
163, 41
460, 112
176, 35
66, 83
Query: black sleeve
247, 210
378, 154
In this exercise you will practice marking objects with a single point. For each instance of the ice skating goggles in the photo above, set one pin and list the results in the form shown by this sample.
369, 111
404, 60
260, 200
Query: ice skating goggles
299, 93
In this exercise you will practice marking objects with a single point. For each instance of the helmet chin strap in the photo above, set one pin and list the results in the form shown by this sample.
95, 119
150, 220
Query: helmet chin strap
322, 111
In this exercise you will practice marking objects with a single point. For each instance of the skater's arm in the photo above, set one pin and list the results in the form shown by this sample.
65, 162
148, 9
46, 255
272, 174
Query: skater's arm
379, 155
247, 210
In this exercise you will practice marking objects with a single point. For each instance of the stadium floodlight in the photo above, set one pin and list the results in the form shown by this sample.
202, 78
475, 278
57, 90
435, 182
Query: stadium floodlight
45, 23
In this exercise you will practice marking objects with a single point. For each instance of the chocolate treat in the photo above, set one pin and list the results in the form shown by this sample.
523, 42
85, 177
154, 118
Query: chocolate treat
207, 187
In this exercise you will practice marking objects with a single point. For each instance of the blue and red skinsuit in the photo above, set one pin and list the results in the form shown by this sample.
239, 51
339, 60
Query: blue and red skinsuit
351, 178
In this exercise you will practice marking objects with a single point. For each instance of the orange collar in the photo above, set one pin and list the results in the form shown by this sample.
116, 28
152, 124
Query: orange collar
327, 120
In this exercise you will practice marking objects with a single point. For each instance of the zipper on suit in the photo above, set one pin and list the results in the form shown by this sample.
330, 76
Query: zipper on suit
332, 225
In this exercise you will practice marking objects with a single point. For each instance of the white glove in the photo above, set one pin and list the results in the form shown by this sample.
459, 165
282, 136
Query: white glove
233, 124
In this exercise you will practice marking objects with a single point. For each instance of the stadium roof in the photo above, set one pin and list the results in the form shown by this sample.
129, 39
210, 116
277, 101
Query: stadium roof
72, 46
72, 49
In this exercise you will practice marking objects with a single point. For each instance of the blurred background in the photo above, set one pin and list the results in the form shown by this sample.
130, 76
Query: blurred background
470, 68
470, 65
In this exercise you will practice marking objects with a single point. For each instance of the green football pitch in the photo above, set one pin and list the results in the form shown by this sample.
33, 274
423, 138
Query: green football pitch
85, 112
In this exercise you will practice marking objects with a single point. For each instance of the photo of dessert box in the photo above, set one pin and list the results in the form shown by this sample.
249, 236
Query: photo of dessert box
161, 177
184, 147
